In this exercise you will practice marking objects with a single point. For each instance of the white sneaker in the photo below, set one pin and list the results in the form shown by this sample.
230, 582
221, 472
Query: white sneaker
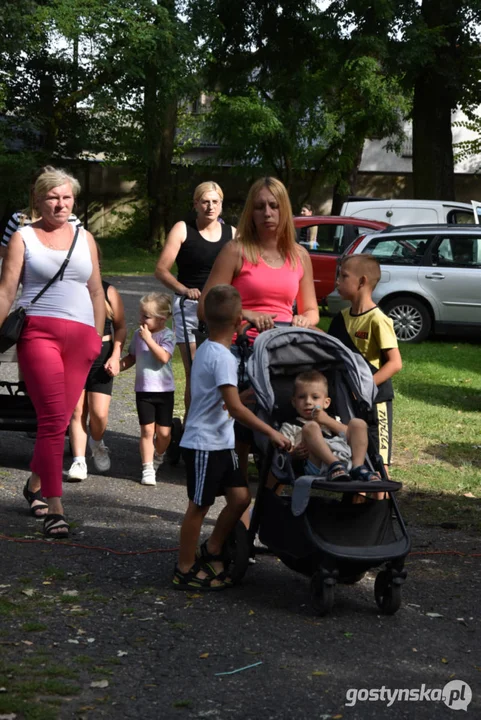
158, 460
78, 471
148, 475
100, 455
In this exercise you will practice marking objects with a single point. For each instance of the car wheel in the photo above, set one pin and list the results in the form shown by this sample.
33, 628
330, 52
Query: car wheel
412, 322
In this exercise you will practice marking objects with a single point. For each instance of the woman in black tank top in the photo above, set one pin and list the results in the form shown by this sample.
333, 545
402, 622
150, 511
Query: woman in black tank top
194, 246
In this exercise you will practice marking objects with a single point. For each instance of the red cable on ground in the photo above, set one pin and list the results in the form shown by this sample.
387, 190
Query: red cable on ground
62, 543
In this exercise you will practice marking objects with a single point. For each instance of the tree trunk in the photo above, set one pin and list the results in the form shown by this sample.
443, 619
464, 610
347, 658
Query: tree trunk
435, 97
160, 118
433, 160
346, 183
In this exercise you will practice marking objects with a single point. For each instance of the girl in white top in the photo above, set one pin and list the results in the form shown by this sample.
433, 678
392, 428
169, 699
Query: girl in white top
151, 351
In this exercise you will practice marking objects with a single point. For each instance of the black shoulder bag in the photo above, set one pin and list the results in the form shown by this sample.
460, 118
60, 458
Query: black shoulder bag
13, 324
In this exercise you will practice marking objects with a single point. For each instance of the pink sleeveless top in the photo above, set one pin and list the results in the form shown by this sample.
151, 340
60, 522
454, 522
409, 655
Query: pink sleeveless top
269, 290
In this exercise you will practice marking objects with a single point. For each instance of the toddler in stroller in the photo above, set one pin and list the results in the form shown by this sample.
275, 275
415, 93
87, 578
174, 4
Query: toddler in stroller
312, 525
332, 448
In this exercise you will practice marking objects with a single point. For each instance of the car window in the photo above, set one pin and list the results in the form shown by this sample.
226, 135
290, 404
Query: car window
398, 250
360, 230
457, 251
461, 217
325, 238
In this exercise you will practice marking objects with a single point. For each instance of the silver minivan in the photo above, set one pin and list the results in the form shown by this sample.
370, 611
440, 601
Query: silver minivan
430, 278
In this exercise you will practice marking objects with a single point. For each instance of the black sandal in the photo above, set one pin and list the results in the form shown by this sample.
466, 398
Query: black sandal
206, 557
364, 474
190, 581
35, 497
55, 527
337, 472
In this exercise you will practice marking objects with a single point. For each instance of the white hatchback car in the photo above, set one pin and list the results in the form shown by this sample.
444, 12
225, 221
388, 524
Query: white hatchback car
430, 278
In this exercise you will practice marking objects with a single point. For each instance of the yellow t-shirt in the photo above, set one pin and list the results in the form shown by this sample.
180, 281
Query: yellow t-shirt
371, 332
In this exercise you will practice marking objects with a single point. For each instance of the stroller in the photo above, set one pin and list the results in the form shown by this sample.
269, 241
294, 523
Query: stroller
311, 524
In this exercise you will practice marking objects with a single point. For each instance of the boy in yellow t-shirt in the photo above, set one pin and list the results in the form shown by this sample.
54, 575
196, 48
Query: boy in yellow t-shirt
365, 329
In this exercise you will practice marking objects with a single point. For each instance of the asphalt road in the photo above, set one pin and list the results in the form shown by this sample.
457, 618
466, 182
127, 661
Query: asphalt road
100, 609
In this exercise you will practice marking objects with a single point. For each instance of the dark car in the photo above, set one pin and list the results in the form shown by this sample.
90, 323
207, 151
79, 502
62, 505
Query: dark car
326, 237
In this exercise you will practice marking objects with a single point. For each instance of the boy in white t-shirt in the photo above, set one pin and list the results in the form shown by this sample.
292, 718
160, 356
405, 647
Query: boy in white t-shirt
208, 447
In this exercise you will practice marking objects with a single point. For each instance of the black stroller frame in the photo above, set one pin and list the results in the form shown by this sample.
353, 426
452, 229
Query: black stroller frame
333, 540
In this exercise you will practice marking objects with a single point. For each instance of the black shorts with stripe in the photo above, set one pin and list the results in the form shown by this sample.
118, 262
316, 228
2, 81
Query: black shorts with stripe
210, 473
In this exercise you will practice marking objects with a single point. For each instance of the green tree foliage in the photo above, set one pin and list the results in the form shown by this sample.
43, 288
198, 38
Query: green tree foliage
443, 64
435, 47
296, 90
102, 76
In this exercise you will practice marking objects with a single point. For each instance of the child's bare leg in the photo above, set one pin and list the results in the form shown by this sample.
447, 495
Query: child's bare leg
238, 500
357, 440
319, 450
189, 536
162, 438
146, 443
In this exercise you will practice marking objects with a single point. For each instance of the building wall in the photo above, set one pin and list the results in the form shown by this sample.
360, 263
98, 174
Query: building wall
108, 197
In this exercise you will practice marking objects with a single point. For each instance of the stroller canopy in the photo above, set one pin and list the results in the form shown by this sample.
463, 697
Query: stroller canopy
290, 351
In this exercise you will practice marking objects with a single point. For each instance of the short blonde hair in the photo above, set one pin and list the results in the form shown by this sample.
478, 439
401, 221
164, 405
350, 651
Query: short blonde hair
205, 187
162, 303
246, 234
366, 265
311, 377
52, 178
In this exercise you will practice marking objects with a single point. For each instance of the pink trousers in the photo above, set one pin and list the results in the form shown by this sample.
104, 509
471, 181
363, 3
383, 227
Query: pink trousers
55, 357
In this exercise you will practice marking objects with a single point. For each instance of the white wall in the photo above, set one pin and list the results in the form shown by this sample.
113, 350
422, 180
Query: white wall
376, 158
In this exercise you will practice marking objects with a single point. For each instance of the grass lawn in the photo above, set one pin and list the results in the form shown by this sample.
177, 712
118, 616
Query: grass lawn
120, 257
437, 430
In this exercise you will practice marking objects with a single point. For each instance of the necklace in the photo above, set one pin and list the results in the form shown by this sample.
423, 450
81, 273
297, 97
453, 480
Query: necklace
45, 241
271, 260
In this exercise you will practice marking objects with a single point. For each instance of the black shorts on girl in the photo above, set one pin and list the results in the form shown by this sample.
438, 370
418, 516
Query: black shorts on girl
210, 473
155, 407
98, 380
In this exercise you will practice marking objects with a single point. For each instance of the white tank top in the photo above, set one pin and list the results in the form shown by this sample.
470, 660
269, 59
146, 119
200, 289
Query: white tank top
68, 299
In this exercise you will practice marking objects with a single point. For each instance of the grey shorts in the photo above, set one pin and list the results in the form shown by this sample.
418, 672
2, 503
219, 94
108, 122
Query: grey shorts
340, 448
191, 319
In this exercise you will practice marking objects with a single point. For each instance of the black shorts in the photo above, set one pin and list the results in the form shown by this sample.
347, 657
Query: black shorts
381, 431
98, 380
210, 473
155, 407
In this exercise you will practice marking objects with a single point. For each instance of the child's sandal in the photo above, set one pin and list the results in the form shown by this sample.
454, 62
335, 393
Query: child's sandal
337, 472
364, 474
202, 553
190, 581
206, 558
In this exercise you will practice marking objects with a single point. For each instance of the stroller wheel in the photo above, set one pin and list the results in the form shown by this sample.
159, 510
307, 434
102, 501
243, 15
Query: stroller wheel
237, 551
173, 451
322, 593
387, 593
